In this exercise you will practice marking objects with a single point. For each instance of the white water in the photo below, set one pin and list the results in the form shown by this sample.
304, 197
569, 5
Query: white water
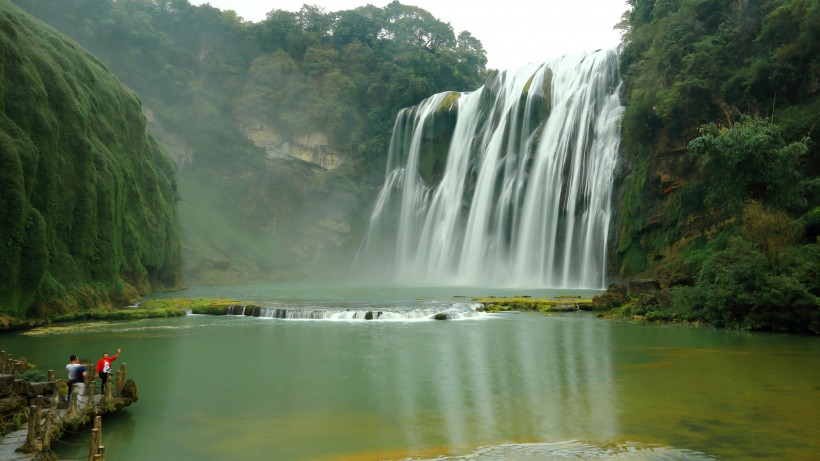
449, 311
524, 199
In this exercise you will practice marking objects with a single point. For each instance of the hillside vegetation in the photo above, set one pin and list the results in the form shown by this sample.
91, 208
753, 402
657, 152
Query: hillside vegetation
240, 105
86, 195
720, 190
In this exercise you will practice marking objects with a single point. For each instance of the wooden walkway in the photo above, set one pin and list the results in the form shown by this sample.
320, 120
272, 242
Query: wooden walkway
46, 424
12, 443
9, 445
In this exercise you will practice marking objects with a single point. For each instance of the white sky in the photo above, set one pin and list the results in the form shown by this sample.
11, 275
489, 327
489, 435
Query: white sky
513, 32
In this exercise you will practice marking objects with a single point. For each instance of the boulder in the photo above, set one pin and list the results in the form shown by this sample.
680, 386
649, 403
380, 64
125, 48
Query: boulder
129, 391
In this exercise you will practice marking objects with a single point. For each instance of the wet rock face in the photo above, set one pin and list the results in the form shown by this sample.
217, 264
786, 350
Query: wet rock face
615, 296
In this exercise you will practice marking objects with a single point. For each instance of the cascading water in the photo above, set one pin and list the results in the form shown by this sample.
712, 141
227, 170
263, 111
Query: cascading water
430, 311
524, 196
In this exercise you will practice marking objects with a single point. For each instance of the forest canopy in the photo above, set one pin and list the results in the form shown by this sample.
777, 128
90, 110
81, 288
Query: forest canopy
721, 199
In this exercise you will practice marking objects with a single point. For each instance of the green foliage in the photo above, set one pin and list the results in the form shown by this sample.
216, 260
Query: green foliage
721, 152
737, 289
750, 160
809, 225
34, 376
87, 197
685, 60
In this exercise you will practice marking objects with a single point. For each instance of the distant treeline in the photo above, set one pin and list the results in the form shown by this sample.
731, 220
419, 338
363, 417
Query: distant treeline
344, 73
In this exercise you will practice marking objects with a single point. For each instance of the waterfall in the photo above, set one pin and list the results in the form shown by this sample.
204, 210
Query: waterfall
509, 185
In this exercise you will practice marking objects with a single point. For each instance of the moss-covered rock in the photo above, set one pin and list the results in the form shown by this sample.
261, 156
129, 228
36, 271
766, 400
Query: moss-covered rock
534, 304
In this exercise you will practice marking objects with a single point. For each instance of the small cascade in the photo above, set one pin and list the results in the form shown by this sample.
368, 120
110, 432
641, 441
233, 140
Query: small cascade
455, 311
236, 309
509, 185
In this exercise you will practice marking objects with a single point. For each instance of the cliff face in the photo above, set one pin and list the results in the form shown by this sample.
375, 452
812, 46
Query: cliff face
87, 196
312, 148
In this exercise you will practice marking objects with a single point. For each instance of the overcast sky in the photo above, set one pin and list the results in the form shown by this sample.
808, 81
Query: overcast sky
513, 32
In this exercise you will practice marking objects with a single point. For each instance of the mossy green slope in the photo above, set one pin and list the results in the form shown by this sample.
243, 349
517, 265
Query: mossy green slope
86, 195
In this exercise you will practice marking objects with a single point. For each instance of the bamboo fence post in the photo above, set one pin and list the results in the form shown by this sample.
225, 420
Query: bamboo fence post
89, 398
47, 433
96, 439
91, 376
93, 443
50, 375
39, 399
16, 372
31, 434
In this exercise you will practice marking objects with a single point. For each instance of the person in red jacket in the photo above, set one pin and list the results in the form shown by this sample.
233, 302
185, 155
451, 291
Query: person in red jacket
104, 368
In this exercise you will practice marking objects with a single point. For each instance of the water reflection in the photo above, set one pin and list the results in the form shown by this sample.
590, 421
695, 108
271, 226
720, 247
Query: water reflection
546, 379
493, 388
578, 450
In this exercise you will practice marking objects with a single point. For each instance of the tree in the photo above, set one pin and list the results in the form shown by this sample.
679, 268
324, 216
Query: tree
751, 160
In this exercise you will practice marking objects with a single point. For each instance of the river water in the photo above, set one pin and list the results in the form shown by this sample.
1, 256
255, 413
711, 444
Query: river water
509, 386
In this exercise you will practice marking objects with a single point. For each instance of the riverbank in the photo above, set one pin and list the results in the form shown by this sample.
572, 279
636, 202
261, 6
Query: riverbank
608, 304
177, 307
637, 300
